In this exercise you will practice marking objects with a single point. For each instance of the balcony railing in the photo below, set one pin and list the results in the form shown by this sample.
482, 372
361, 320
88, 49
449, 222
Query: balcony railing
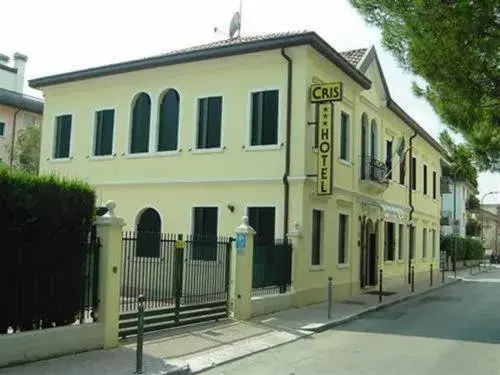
373, 170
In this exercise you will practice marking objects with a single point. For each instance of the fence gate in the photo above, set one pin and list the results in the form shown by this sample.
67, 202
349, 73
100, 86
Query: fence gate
185, 280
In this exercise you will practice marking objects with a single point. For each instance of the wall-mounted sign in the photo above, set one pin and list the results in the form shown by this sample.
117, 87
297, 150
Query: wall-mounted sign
325, 149
241, 242
326, 92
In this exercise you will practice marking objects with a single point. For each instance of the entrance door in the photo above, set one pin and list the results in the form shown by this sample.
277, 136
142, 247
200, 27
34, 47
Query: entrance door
372, 259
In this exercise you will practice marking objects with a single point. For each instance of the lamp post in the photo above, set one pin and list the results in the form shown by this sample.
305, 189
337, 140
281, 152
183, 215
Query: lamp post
482, 214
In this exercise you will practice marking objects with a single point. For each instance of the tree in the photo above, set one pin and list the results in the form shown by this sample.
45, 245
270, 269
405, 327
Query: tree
27, 149
454, 45
462, 160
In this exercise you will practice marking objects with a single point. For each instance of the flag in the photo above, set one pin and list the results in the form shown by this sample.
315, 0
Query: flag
401, 148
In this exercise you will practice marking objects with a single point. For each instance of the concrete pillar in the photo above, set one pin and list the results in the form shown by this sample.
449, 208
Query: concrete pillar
109, 230
240, 288
295, 235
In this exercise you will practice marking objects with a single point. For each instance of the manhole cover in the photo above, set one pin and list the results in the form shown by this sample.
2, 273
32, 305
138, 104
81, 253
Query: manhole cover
360, 303
213, 333
376, 293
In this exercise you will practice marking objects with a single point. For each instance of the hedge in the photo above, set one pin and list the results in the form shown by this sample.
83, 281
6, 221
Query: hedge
44, 228
467, 248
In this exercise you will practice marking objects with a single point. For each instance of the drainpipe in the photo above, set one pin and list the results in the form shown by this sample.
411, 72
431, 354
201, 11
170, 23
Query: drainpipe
410, 190
286, 174
12, 145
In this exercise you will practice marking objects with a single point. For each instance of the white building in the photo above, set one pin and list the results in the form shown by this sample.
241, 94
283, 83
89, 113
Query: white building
456, 200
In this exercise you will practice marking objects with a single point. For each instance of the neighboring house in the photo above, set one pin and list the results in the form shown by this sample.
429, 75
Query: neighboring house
193, 140
457, 197
17, 110
489, 219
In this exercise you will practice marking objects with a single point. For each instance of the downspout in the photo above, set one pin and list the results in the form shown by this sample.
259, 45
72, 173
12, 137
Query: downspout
410, 203
13, 142
286, 183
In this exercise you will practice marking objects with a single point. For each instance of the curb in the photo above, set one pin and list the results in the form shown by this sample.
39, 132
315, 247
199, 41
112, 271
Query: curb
383, 305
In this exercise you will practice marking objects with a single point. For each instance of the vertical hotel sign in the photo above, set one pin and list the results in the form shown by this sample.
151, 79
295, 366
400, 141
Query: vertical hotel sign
324, 95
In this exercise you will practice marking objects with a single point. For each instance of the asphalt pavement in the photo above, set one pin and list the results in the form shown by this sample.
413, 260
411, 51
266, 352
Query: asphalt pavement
454, 330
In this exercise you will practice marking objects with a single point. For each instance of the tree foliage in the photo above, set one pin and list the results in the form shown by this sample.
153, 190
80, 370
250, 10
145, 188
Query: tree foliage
462, 160
27, 149
454, 45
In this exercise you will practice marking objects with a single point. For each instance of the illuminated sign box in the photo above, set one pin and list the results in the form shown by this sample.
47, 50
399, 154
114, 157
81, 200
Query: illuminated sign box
326, 92
325, 149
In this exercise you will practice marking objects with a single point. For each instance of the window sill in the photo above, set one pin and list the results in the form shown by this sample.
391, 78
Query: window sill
263, 147
60, 160
101, 157
166, 153
207, 150
401, 261
342, 266
388, 262
138, 155
344, 162
316, 268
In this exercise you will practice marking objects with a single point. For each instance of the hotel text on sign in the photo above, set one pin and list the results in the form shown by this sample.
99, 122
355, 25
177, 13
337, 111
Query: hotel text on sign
326, 92
325, 150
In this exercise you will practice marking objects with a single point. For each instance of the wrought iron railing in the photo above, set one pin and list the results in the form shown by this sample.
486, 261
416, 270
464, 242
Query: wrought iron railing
373, 170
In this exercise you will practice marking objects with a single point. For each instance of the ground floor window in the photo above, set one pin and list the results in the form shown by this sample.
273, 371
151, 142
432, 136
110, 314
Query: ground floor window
390, 243
317, 237
343, 237
263, 221
204, 241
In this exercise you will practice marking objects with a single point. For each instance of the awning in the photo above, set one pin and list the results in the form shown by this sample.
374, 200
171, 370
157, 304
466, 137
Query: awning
390, 211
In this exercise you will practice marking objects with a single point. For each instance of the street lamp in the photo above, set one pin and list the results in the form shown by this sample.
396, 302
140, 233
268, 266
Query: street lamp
482, 214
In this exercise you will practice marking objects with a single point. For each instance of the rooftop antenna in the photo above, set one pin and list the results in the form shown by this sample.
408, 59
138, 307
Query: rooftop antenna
234, 25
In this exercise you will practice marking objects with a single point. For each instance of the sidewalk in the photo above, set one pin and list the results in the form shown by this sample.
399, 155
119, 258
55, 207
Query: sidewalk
207, 345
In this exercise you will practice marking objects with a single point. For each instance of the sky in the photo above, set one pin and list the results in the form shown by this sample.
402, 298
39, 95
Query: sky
61, 36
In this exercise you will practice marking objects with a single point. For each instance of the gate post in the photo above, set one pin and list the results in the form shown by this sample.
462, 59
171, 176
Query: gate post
109, 229
240, 288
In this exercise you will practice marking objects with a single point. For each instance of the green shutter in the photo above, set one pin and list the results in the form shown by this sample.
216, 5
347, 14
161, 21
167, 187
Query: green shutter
343, 136
141, 119
255, 137
169, 122
108, 120
270, 117
214, 120
62, 137
202, 121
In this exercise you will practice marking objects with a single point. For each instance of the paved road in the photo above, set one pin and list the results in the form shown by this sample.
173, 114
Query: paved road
455, 330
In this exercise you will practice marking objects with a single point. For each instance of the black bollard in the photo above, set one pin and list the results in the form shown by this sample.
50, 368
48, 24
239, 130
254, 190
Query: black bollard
431, 275
380, 287
330, 296
140, 335
412, 278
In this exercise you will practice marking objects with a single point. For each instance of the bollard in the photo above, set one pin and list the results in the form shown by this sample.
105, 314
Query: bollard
431, 274
442, 274
140, 334
381, 274
330, 293
412, 278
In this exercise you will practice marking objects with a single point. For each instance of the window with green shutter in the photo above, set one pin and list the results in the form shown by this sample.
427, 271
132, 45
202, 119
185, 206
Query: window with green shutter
209, 122
344, 136
141, 119
265, 118
104, 128
204, 240
169, 121
62, 136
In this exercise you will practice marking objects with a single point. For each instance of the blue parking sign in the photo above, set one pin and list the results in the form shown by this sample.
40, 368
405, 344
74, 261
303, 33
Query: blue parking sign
241, 242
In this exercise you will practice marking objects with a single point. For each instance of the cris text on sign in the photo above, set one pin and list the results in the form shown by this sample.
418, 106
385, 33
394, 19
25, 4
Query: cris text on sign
324, 94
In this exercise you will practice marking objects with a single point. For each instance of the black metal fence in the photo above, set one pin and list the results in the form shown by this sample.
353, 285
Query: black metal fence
272, 266
170, 269
42, 289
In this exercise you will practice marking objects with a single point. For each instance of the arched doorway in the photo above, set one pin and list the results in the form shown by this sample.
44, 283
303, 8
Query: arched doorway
148, 234
369, 255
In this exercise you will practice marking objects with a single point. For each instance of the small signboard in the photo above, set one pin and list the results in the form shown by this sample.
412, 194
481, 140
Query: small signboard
326, 92
179, 244
325, 149
241, 242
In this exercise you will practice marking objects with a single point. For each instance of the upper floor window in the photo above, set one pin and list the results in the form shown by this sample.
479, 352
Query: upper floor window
141, 121
2, 129
104, 128
388, 158
62, 137
373, 139
402, 169
434, 184
364, 135
344, 136
209, 122
424, 182
264, 118
168, 131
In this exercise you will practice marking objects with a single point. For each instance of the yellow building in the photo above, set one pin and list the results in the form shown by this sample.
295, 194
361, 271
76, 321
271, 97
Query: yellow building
195, 139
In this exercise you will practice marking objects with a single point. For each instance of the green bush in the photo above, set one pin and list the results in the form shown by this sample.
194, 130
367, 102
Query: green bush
44, 228
467, 248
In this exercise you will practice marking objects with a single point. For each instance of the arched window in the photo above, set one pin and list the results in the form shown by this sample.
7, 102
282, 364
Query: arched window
373, 140
148, 234
364, 135
168, 129
141, 118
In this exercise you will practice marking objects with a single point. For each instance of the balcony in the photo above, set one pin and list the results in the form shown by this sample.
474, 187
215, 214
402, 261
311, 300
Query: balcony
374, 174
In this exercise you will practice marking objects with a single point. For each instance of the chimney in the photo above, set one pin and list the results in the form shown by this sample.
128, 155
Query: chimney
4, 59
20, 65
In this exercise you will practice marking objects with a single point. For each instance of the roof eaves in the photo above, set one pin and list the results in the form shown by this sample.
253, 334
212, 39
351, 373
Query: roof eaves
310, 38
19, 101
